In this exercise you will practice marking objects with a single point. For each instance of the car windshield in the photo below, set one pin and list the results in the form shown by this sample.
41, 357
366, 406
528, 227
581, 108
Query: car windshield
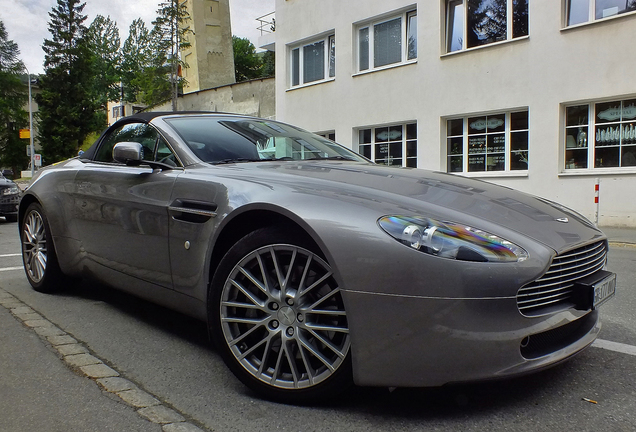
230, 139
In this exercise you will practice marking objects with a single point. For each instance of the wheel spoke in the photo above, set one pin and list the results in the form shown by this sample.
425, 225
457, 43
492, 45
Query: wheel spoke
327, 343
255, 281
281, 282
316, 354
315, 284
327, 328
322, 299
244, 335
251, 297
240, 305
251, 350
237, 320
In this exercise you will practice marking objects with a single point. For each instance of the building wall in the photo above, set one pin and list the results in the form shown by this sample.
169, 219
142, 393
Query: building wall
552, 67
210, 57
255, 97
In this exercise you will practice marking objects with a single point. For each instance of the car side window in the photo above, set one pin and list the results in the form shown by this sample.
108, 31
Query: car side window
164, 154
142, 133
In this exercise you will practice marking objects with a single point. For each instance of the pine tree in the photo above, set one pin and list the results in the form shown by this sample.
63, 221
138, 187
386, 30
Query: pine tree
136, 57
104, 42
13, 96
66, 108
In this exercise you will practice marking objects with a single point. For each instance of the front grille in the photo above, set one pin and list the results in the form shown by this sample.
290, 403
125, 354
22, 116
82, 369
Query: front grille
555, 289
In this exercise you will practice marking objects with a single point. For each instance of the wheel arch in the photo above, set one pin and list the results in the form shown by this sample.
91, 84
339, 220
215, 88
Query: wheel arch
25, 202
251, 220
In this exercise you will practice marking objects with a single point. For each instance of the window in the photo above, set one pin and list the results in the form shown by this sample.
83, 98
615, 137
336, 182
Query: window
582, 11
314, 61
473, 23
387, 41
329, 135
142, 133
494, 142
390, 145
609, 126
119, 111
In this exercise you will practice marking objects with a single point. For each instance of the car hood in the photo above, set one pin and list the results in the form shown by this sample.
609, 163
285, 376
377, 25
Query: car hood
434, 194
4, 182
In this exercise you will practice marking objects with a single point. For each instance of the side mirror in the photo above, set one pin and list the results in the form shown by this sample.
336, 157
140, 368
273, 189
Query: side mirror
129, 153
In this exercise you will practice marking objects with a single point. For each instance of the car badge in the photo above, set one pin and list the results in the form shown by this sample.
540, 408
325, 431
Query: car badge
563, 219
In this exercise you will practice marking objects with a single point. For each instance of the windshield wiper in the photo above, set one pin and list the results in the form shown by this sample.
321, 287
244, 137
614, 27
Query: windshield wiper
233, 160
334, 158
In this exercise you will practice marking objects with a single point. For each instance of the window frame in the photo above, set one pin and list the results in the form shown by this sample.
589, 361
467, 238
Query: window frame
448, 27
405, 140
405, 16
591, 13
594, 131
297, 62
508, 151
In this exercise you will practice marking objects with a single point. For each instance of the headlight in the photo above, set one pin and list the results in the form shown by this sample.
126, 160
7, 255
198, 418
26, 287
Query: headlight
451, 240
13, 190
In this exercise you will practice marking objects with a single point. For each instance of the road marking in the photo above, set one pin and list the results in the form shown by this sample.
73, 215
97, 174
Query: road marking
11, 268
615, 346
10, 255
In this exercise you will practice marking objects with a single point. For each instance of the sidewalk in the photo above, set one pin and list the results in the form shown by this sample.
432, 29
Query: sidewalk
620, 235
39, 393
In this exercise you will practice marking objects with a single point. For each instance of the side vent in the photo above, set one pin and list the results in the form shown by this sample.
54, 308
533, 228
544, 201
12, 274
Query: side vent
192, 211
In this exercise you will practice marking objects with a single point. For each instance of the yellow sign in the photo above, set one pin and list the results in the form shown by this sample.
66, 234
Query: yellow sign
25, 133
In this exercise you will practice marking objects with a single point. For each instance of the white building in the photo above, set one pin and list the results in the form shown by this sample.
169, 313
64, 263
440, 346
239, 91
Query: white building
538, 95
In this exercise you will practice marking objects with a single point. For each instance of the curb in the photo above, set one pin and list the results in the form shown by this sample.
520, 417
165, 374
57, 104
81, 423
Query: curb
621, 244
83, 362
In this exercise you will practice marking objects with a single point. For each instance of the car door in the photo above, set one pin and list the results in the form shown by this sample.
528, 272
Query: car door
121, 211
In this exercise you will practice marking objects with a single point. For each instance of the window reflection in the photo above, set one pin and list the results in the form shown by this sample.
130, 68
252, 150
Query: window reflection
387, 42
314, 62
486, 21
455, 25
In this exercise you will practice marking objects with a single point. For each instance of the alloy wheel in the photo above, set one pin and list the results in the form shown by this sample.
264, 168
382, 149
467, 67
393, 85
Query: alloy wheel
283, 318
34, 246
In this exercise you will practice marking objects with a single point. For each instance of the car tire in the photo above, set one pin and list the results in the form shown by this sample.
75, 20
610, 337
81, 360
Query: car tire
38, 252
278, 318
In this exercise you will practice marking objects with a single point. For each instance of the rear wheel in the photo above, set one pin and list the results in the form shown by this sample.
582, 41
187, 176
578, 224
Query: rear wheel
277, 315
38, 253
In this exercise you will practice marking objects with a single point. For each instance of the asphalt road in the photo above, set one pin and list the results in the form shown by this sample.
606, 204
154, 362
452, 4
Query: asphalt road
169, 356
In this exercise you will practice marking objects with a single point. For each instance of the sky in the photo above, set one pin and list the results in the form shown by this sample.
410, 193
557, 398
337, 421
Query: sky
26, 21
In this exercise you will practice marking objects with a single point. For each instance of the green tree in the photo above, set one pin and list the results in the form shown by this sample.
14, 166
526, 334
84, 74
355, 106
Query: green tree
247, 64
13, 96
65, 103
104, 43
169, 36
136, 56
269, 64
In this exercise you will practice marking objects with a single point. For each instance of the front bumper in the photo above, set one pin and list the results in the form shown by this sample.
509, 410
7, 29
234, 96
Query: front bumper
435, 341
9, 205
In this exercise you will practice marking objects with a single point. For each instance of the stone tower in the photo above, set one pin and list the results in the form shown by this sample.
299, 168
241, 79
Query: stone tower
210, 57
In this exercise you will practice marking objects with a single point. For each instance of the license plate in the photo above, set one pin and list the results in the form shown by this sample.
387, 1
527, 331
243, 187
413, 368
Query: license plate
604, 290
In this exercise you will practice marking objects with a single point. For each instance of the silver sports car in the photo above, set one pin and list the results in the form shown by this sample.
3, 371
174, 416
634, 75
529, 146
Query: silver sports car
313, 267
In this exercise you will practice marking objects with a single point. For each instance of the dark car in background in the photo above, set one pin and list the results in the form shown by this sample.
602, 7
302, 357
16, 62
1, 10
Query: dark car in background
9, 199
314, 267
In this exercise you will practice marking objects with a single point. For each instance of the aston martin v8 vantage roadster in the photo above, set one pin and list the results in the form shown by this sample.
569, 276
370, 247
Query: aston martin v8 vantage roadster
313, 267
